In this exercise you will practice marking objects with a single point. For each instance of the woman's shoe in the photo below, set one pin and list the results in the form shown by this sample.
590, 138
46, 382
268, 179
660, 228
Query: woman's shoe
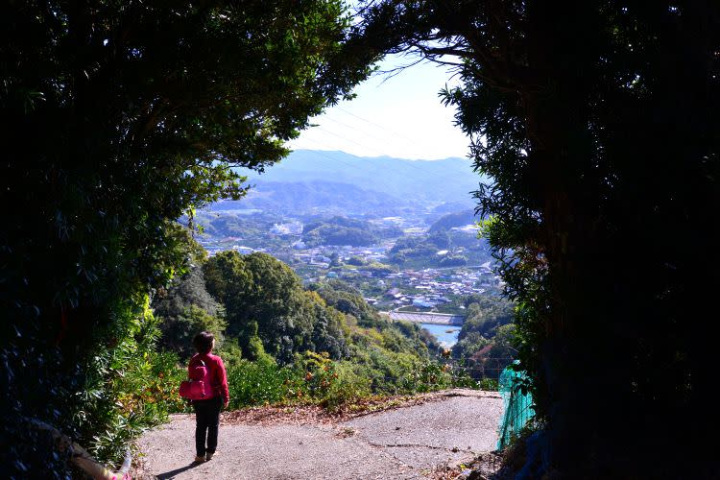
199, 459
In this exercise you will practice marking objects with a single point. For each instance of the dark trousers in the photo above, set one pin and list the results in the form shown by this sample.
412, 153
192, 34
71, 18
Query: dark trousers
207, 421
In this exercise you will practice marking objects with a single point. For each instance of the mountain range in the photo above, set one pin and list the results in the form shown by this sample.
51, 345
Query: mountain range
311, 180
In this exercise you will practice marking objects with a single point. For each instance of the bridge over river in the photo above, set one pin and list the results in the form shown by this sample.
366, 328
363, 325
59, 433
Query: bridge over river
427, 317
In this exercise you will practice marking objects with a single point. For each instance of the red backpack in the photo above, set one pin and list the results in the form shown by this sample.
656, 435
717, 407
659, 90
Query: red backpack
198, 387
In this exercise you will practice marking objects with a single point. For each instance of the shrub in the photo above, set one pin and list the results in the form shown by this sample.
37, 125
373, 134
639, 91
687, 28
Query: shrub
489, 384
257, 383
350, 386
127, 389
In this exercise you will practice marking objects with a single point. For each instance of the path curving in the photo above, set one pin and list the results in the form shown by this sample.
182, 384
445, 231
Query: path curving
411, 442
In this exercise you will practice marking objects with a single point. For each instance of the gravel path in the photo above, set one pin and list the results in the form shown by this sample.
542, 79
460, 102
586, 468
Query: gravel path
411, 442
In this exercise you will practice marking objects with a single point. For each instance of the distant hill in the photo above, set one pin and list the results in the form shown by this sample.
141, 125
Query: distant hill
307, 197
430, 183
454, 220
346, 231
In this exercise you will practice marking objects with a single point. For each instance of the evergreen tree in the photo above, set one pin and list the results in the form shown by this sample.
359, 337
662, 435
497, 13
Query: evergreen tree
119, 117
599, 123
264, 299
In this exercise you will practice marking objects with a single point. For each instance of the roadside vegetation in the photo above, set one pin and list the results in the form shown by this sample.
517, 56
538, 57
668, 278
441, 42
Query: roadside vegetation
122, 117
600, 135
285, 344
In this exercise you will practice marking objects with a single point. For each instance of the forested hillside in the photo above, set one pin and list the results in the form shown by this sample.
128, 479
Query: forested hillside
346, 231
441, 248
461, 219
120, 117
487, 341
273, 331
310, 196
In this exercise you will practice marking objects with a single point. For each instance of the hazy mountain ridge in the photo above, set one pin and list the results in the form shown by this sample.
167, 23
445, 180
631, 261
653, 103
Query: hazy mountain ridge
308, 196
315, 175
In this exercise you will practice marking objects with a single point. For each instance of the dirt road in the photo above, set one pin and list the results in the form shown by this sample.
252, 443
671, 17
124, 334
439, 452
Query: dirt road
410, 442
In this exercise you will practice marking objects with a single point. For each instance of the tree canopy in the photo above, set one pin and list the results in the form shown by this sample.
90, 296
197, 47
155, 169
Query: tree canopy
119, 117
598, 122
264, 299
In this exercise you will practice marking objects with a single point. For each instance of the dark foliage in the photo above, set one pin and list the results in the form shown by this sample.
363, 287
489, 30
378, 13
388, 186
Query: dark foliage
348, 300
185, 309
117, 118
599, 122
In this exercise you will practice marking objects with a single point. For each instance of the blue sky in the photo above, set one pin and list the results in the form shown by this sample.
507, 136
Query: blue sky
399, 116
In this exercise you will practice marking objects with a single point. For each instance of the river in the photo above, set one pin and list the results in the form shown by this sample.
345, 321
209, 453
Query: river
447, 335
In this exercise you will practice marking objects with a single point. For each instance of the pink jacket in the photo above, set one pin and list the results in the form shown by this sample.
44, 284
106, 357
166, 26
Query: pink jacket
218, 375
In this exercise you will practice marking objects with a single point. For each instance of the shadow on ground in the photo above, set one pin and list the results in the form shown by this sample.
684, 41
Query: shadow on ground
173, 473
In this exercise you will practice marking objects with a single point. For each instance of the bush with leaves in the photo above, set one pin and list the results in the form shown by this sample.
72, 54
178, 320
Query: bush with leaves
118, 119
260, 382
128, 388
598, 123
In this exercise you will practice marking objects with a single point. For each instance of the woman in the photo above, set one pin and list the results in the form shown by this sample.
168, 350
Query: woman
207, 412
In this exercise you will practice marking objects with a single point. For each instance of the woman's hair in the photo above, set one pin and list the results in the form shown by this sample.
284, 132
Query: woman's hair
203, 342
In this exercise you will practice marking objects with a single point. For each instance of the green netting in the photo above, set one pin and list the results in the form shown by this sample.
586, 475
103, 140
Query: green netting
518, 404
